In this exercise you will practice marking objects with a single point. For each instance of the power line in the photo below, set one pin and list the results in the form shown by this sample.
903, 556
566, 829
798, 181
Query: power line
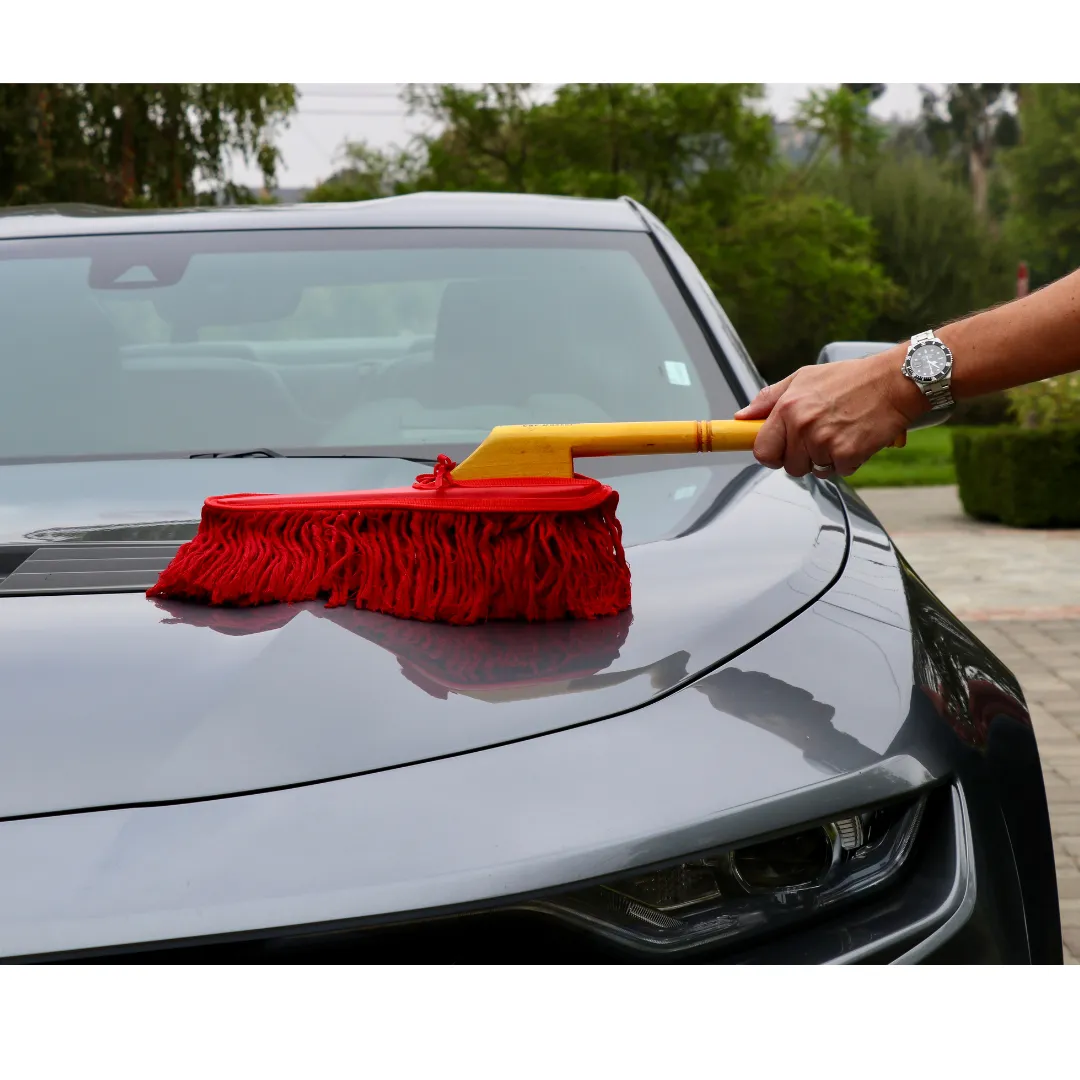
352, 112
349, 95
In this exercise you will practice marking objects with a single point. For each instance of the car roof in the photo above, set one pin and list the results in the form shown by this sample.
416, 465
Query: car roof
422, 210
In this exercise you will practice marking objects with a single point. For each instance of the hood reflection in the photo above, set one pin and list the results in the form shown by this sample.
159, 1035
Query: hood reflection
790, 713
492, 661
514, 661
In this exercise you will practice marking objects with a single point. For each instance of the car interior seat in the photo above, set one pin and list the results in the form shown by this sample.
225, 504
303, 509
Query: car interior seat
503, 353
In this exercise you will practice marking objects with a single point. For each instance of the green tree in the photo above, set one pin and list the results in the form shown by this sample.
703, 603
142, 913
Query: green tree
1045, 174
840, 123
661, 143
128, 144
369, 173
793, 274
485, 135
665, 144
929, 240
966, 125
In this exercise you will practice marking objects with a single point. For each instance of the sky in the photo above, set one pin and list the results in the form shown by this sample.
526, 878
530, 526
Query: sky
329, 114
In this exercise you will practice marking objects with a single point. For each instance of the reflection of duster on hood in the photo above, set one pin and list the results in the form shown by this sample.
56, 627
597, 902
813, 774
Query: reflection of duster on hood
502, 661
515, 661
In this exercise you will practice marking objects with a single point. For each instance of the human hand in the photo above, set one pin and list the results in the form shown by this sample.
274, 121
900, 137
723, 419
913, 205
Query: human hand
834, 417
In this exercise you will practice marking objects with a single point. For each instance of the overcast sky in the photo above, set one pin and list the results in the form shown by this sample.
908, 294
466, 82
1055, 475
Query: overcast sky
331, 113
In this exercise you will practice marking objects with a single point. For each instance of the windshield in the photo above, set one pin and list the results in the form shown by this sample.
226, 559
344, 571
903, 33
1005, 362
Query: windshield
338, 340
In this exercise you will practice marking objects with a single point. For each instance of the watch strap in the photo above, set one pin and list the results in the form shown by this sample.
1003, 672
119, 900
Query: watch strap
939, 394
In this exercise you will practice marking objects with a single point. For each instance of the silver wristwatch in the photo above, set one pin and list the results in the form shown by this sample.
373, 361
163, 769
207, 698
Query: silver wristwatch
929, 365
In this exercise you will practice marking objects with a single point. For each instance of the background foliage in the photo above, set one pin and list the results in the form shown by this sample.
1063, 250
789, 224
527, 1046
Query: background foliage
132, 145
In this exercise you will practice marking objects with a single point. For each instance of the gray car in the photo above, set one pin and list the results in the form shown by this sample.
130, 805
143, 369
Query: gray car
786, 751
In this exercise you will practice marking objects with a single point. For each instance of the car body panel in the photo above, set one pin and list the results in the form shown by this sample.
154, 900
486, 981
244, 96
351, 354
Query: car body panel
462, 210
118, 699
707, 765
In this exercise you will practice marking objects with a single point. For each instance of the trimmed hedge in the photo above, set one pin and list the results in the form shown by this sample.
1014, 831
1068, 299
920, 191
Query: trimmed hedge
990, 410
1029, 479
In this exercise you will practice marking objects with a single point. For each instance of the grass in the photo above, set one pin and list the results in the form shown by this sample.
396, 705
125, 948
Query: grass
927, 459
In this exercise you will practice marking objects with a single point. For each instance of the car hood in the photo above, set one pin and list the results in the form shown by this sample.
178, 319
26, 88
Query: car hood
114, 699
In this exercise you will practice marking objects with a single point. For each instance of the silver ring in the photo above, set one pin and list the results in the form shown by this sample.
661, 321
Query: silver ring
821, 470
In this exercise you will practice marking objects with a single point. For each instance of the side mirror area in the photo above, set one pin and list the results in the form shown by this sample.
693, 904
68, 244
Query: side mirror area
851, 350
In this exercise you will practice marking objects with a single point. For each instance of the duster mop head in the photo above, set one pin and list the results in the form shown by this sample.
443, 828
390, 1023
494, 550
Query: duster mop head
442, 551
510, 533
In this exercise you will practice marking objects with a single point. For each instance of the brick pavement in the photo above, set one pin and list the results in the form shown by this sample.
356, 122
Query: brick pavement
1019, 590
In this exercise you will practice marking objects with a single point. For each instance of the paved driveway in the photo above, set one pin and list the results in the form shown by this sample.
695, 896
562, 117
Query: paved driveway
1019, 590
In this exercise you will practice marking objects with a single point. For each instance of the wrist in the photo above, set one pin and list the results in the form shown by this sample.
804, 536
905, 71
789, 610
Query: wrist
901, 392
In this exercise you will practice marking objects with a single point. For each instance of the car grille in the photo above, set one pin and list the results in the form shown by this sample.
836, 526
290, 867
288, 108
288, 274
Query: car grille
82, 568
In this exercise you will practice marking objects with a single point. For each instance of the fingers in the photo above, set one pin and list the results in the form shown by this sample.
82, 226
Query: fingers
796, 458
849, 469
820, 454
763, 404
770, 446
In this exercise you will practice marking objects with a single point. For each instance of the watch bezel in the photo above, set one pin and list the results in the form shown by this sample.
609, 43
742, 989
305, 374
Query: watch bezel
924, 380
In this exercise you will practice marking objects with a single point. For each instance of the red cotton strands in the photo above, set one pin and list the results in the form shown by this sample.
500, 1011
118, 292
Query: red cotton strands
460, 552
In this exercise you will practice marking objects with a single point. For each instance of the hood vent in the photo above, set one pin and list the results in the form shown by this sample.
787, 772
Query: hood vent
82, 568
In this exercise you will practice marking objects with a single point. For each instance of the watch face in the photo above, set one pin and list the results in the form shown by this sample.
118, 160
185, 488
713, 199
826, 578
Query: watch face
928, 362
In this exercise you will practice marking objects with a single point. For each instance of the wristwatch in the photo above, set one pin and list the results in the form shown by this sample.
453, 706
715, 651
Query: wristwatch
929, 365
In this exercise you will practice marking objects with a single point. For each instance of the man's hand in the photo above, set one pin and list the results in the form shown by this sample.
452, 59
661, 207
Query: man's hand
835, 417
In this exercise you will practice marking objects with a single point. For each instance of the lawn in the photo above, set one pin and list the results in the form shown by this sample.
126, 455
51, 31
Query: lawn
927, 459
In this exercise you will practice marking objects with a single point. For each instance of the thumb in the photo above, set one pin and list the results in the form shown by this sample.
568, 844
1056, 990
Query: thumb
763, 404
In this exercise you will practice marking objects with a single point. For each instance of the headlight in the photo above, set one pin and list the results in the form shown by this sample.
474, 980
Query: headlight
742, 891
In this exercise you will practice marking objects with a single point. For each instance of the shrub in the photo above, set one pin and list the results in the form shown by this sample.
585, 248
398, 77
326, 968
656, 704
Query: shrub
1049, 403
989, 410
1025, 478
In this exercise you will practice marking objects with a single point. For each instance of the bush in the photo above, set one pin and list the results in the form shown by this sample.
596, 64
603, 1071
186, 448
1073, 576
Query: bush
990, 410
1049, 403
1024, 478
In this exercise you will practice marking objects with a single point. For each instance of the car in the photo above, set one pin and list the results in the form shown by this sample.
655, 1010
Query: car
786, 751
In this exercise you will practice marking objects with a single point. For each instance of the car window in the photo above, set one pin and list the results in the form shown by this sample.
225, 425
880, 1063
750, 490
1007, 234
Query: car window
347, 339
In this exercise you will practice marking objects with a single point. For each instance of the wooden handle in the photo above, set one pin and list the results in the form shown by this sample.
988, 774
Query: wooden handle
550, 449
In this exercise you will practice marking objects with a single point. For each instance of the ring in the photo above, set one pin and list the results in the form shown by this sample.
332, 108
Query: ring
821, 470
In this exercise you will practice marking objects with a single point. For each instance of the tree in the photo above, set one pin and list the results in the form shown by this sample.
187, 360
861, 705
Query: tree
653, 141
368, 173
485, 135
966, 124
873, 90
128, 144
793, 274
1045, 174
929, 240
840, 122
664, 143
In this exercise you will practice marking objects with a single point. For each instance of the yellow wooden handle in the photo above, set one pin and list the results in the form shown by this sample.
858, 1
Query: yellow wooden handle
549, 450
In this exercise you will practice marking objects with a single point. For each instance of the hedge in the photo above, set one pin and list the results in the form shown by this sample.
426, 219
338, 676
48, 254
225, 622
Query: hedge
1029, 479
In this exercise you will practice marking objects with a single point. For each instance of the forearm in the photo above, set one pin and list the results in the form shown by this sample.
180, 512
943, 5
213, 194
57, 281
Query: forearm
1019, 342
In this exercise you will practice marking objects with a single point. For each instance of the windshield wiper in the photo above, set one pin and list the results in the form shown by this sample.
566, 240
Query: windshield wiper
263, 452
